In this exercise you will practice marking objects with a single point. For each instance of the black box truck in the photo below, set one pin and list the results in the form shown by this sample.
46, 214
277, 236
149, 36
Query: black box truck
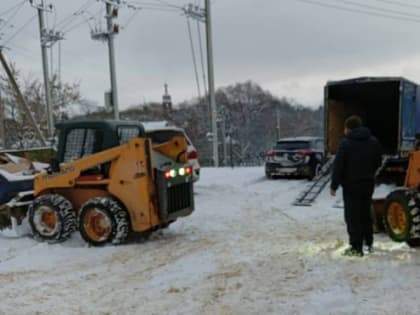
388, 106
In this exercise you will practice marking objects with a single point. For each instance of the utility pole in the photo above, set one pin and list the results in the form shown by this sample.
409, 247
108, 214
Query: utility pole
19, 97
223, 123
210, 70
278, 123
205, 16
2, 119
108, 35
46, 40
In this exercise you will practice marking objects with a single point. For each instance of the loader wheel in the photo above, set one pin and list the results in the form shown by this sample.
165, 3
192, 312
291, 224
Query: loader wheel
402, 216
103, 220
52, 218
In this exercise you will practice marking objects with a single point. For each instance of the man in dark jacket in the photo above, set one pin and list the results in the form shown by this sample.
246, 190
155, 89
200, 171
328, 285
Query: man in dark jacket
356, 161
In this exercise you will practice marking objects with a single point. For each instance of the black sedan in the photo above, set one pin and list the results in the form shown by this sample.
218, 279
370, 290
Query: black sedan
300, 156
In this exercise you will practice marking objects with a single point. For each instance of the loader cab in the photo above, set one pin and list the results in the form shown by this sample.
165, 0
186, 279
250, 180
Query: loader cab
79, 138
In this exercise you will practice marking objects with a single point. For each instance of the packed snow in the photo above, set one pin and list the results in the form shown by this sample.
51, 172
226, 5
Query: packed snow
245, 250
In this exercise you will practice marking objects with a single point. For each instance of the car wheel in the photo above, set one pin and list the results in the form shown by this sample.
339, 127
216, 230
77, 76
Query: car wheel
315, 171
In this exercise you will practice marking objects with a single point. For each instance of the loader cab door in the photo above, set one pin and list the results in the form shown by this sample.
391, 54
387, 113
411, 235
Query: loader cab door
80, 142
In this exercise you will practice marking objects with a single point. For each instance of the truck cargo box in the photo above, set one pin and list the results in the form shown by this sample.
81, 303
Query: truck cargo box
387, 106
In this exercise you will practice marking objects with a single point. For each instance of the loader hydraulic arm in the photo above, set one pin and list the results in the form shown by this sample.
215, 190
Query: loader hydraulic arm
69, 172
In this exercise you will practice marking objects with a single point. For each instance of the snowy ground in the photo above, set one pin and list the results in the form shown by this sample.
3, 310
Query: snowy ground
245, 250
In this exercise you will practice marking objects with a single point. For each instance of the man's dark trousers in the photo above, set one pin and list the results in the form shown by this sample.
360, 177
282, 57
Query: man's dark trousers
357, 198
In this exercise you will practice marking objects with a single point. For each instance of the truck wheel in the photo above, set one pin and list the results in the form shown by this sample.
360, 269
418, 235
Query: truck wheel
402, 216
103, 220
52, 218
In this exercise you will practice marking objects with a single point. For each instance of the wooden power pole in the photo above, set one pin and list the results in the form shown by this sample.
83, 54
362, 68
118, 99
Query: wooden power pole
20, 99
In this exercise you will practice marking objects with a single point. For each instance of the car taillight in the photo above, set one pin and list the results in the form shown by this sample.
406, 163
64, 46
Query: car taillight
271, 153
192, 155
305, 152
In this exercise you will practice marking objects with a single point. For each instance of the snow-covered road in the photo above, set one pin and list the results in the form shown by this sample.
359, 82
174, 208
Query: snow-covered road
245, 250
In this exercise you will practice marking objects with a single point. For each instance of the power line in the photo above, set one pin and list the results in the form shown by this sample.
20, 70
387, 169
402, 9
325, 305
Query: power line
83, 7
398, 3
169, 4
160, 9
371, 7
12, 8
193, 57
153, 6
17, 9
69, 26
78, 25
19, 30
341, 8
130, 19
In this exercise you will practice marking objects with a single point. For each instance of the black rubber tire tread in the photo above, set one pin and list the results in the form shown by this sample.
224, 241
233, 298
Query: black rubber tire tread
410, 201
117, 214
66, 218
315, 171
414, 242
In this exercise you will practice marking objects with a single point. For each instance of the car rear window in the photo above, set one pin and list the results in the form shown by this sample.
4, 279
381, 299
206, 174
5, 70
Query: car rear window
161, 136
292, 145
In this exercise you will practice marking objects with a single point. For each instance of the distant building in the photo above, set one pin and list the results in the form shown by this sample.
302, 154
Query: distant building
166, 100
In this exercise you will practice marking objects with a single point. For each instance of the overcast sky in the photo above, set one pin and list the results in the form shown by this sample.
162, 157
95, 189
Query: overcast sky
289, 47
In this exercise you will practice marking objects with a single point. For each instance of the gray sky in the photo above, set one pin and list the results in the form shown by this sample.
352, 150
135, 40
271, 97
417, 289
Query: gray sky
289, 47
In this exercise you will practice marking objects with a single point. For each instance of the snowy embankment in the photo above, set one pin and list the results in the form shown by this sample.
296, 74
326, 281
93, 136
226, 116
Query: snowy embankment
245, 250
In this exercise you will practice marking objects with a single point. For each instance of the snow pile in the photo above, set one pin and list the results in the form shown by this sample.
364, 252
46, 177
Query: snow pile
245, 250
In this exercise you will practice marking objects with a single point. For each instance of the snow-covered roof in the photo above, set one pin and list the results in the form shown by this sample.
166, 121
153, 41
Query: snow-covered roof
154, 125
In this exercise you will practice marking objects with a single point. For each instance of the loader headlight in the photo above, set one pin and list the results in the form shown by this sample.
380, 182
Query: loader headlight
183, 171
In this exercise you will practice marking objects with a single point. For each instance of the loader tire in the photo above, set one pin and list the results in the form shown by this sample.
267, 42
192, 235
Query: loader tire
103, 220
402, 216
52, 218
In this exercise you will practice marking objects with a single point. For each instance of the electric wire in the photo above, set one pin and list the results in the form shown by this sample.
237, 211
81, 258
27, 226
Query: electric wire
16, 11
153, 5
169, 4
86, 16
77, 26
375, 8
83, 7
370, 13
398, 3
9, 39
12, 8
130, 19
193, 57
